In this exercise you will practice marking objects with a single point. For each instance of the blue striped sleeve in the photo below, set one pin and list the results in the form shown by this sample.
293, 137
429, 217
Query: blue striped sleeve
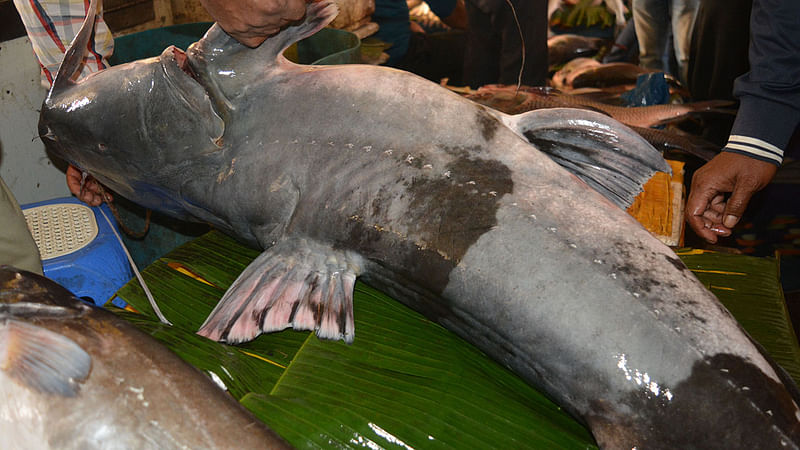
769, 94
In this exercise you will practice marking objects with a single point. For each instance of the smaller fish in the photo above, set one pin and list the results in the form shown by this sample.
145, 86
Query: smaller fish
73, 376
671, 141
563, 48
609, 74
588, 73
562, 79
511, 100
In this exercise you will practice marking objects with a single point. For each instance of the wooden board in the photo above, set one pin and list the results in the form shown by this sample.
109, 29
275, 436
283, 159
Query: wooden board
659, 208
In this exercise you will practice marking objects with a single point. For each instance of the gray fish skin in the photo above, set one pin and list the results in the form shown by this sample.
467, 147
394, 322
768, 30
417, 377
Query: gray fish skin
134, 394
441, 203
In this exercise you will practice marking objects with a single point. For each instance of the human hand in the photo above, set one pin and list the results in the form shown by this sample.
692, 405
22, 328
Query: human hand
252, 21
91, 193
708, 212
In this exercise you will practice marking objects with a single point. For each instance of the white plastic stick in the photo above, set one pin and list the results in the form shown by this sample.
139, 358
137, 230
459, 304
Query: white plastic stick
136, 271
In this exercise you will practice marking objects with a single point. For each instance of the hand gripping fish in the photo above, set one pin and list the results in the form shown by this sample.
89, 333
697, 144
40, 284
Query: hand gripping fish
339, 172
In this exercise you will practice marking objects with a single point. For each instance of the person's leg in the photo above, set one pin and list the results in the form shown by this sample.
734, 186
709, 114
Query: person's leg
481, 55
626, 48
718, 54
683, 17
652, 27
17, 247
532, 17
436, 56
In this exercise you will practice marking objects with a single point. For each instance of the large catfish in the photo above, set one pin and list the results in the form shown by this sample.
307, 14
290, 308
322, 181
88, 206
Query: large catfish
74, 376
340, 172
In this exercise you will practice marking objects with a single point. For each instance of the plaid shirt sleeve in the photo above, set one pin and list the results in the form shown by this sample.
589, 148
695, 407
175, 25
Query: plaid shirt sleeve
52, 24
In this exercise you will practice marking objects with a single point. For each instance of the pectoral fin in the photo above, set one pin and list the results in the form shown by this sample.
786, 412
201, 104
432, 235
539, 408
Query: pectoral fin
607, 155
41, 359
296, 283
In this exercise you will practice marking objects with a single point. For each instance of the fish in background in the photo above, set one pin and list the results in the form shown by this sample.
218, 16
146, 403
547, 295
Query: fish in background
339, 172
74, 376
563, 48
513, 100
562, 78
581, 73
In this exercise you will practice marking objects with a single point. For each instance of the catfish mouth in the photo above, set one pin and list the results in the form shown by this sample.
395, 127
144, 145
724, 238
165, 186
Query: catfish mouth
194, 91
187, 72
182, 61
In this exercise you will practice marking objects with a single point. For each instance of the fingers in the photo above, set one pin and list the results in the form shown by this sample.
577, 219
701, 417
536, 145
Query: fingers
703, 208
91, 193
73, 180
708, 213
735, 207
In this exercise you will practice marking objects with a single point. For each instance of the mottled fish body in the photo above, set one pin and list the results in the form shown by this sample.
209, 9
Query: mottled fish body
339, 172
77, 377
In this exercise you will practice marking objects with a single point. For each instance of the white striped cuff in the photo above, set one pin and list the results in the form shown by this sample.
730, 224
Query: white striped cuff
760, 149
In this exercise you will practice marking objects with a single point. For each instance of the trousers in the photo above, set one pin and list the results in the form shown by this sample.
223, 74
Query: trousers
655, 20
17, 247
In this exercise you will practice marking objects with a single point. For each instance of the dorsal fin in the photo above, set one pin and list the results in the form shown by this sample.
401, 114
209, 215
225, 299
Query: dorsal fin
607, 155
217, 43
74, 55
318, 15
217, 52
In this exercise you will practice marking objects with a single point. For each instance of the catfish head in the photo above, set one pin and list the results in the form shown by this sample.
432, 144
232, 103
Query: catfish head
142, 127
130, 126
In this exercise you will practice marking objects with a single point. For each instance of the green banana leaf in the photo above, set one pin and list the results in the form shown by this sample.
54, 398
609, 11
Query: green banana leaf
582, 14
405, 382
750, 288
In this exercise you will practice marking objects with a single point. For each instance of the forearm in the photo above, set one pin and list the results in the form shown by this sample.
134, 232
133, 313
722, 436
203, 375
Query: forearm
769, 93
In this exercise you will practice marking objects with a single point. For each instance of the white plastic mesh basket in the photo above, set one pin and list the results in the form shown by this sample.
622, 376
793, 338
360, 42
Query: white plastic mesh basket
62, 228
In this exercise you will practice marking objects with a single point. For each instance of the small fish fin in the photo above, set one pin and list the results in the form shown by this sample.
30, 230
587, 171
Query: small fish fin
607, 155
296, 283
74, 54
41, 359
